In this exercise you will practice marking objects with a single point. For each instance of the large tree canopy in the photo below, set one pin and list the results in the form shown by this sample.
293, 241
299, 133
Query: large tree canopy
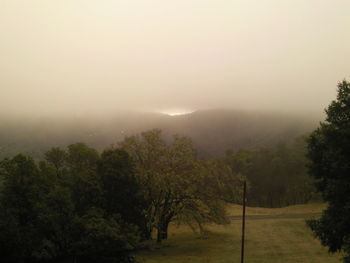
329, 154
176, 184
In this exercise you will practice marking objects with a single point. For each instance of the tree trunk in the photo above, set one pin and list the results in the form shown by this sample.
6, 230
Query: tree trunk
165, 226
148, 229
162, 231
159, 235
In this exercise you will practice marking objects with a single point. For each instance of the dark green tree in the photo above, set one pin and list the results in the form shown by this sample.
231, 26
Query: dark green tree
22, 194
80, 157
85, 182
83, 209
121, 192
105, 238
57, 158
329, 154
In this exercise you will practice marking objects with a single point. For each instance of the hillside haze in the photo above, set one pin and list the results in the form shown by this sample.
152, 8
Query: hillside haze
213, 131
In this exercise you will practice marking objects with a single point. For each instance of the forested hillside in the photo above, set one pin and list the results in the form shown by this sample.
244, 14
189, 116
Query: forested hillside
212, 131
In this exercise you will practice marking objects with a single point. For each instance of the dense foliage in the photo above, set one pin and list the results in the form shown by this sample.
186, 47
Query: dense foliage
277, 175
329, 153
77, 205
74, 206
81, 206
177, 185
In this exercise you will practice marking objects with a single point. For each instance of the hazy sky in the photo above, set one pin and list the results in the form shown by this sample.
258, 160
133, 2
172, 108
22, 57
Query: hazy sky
172, 54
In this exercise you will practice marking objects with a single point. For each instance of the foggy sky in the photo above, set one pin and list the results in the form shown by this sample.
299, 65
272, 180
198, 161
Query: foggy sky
91, 55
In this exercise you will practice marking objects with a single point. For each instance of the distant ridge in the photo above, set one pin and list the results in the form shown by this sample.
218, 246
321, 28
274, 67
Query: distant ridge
213, 131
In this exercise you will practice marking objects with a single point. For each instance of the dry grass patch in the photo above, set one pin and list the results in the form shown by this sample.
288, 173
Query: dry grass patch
272, 240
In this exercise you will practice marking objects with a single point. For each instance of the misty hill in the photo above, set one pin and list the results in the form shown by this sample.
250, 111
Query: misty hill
213, 131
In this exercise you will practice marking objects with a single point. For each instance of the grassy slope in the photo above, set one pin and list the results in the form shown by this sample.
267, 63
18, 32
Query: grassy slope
294, 209
267, 240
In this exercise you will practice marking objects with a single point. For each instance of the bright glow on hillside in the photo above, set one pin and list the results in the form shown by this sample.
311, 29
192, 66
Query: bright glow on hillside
177, 112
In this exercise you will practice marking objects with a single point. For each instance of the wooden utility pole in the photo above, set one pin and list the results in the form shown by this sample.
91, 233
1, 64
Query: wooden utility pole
243, 220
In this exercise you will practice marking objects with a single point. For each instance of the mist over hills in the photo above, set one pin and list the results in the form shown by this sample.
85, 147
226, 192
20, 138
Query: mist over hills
212, 131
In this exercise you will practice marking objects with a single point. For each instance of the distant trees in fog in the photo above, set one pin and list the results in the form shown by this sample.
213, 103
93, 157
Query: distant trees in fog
277, 175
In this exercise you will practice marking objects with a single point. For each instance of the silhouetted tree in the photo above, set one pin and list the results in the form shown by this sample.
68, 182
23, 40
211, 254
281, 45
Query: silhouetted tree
329, 154
121, 192
22, 194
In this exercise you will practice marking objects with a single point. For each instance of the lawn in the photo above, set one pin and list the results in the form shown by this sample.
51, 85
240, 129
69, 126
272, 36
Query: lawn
272, 235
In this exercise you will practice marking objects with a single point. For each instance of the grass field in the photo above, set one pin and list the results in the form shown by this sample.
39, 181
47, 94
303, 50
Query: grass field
272, 235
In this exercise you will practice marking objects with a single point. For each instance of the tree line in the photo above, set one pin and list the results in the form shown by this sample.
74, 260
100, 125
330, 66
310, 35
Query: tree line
81, 206
277, 176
